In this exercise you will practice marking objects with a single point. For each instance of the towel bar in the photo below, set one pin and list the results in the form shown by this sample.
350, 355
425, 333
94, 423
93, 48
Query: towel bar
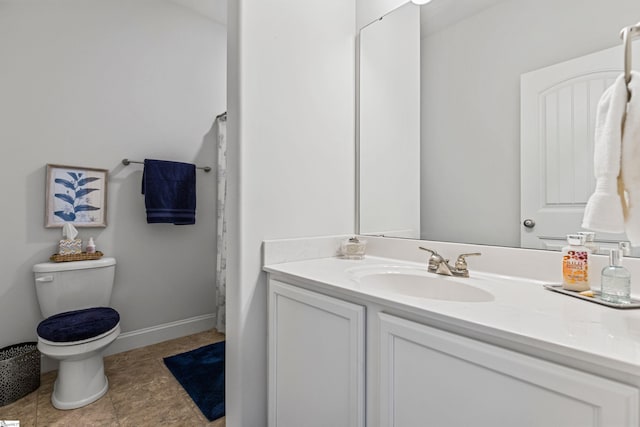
127, 162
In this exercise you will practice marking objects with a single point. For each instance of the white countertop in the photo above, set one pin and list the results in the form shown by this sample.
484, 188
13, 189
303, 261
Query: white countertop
522, 311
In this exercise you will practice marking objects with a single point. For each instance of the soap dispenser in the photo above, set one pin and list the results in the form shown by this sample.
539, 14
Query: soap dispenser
616, 280
353, 248
575, 264
91, 246
590, 241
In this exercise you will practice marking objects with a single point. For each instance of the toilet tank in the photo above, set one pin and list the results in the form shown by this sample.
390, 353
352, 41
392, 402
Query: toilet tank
66, 286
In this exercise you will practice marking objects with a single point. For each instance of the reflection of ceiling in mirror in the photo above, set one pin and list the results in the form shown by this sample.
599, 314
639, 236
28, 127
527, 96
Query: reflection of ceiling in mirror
440, 14
212, 9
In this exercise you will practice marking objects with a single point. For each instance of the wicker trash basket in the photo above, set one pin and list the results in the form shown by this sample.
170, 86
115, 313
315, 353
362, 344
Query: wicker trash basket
19, 371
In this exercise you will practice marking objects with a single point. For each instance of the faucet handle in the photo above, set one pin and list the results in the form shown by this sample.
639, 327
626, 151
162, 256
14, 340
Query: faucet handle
431, 251
461, 262
434, 260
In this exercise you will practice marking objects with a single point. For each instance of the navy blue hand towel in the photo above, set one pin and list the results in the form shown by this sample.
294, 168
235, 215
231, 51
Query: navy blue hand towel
169, 190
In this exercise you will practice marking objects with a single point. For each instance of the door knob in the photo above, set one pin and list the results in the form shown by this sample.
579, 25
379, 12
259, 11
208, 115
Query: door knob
529, 223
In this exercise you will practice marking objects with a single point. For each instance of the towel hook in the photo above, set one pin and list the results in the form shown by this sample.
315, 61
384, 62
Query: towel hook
627, 34
626, 41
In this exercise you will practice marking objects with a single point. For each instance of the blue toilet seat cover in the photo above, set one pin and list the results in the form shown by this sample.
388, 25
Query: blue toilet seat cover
78, 325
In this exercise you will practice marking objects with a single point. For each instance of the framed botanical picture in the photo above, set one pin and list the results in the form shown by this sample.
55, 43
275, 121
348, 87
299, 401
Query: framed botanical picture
77, 195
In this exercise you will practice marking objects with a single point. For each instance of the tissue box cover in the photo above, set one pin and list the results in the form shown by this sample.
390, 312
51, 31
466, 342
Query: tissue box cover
70, 247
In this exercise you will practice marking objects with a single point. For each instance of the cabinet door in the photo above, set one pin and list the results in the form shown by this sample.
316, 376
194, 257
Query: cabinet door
434, 378
316, 359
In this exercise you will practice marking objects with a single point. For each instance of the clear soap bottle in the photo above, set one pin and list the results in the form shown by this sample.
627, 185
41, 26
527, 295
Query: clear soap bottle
616, 280
575, 264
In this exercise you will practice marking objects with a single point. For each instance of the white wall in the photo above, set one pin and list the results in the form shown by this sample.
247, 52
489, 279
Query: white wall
471, 107
389, 149
87, 83
291, 128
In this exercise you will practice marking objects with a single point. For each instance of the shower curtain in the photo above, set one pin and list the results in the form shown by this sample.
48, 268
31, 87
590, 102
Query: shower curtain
221, 244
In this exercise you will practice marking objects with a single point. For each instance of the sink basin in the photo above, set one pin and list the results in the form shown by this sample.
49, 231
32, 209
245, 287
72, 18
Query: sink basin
417, 283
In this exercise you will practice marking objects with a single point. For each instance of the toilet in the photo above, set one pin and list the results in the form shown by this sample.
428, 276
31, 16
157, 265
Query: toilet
79, 324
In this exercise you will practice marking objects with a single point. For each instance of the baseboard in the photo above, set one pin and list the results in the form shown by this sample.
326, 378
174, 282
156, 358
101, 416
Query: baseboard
148, 336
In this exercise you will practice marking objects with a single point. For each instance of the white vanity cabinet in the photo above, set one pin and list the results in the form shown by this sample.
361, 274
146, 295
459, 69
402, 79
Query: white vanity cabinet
429, 377
418, 373
316, 359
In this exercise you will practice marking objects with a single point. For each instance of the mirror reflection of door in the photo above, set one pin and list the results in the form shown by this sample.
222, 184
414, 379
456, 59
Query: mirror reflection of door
559, 105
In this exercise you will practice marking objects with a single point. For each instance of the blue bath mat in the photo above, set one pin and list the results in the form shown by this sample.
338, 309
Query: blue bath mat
201, 374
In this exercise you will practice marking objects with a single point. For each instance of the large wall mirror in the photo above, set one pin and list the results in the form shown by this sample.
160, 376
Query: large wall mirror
478, 115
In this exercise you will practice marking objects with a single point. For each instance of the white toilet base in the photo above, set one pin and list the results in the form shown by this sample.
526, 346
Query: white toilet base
79, 382
81, 378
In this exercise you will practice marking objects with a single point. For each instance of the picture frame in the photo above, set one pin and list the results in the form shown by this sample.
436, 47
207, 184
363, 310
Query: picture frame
76, 195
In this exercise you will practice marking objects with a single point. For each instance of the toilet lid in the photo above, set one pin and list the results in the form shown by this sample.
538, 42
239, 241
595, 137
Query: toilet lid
78, 325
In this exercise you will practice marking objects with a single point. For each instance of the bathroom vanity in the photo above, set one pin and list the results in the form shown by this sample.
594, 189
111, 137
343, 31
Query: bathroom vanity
382, 342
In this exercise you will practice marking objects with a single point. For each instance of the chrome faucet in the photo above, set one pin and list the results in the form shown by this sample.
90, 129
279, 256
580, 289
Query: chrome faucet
438, 265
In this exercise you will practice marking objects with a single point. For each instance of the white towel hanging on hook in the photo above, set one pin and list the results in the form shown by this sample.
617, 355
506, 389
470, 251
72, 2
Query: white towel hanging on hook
614, 206
604, 209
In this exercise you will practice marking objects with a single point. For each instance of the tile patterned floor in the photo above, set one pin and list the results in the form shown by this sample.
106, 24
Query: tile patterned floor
142, 392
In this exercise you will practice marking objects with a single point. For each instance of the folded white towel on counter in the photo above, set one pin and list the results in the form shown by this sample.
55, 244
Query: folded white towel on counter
630, 161
604, 210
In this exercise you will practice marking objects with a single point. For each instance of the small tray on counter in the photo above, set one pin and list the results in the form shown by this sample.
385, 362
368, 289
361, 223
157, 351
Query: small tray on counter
595, 298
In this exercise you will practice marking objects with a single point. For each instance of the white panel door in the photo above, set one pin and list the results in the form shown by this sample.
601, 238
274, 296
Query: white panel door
316, 359
559, 105
429, 377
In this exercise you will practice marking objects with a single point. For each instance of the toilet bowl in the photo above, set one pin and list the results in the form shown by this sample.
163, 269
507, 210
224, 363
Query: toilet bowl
81, 379
78, 326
